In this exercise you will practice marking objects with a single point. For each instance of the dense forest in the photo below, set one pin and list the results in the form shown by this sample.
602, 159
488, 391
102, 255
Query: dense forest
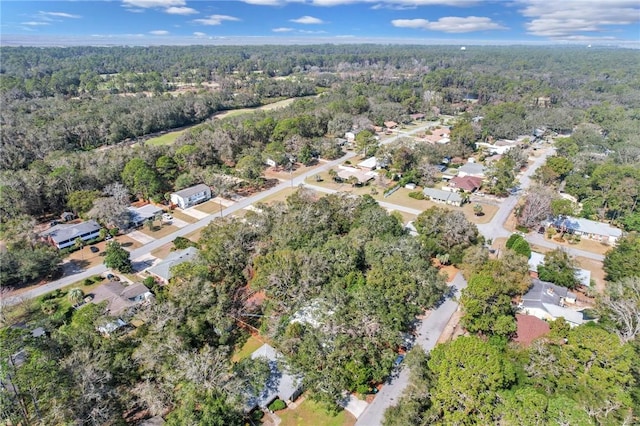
331, 253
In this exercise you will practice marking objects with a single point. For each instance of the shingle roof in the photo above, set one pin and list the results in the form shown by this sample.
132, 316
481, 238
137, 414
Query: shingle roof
140, 214
439, 194
280, 383
472, 168
188, 192
530, 328
547, 296
587, 226
118, 296
64, 232
163, 269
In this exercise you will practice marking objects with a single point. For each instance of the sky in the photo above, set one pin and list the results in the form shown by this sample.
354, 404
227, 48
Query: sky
155, 22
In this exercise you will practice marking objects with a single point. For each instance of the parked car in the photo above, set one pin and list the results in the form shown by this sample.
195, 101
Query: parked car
166, 217
398, 360
94, 249
113, 277
541, 230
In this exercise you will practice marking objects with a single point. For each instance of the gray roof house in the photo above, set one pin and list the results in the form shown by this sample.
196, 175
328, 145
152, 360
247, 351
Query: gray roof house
119, 297
162, 270
64, 235
445, 197
591, 229
138, 215
548, 302
472, 169
583, 276
191, 196
280, 384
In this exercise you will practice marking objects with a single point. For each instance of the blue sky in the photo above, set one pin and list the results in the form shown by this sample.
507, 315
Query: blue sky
260, 21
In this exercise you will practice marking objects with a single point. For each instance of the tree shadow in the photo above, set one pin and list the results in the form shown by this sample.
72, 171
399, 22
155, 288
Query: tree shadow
126, 244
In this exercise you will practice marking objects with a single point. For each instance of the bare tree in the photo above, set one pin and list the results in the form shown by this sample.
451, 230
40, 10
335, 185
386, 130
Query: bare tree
621, 303
536, 207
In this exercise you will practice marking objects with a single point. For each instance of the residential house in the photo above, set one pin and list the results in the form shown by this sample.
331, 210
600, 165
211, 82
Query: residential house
139, 215
369, 164
188, 197
465, 183
439, 135
281, 383
162, 270
548, 302
119, 297
591, 229
472, 169
345, 173
499, 147
417, 117
65, 235
583, 276
390, 124
444, 197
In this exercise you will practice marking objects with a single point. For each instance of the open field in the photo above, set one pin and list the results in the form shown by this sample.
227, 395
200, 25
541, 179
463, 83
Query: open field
268, 107
166, 139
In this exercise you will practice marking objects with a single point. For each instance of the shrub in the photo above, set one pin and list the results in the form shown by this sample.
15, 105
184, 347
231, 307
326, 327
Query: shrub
277, 405
418, 195
182, 243
149, 282
522, 247
512, 240
114, 231
87, 281
97, 278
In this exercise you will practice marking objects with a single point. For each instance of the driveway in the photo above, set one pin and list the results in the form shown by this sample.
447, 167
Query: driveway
429, 331
140, 237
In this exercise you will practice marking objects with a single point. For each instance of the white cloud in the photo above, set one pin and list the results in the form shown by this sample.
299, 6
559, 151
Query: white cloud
311, 32
132, 10
35, 23
450, 24
180, 10
60, 15
566, 20
146, 4
215, 19
309, 20
282, 30
199, 34
159, 32
381, 3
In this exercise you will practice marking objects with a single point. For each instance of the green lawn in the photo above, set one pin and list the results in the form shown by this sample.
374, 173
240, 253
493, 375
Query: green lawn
247, 349
166, 139
311, 413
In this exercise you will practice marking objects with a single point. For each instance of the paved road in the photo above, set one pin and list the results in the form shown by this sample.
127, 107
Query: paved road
148, 248
429, 332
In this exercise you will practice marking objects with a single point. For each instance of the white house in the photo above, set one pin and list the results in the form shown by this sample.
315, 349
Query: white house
65, 235
499, 147
139, 215
444, 197
370, 163
591, 229
191, 196
548, 302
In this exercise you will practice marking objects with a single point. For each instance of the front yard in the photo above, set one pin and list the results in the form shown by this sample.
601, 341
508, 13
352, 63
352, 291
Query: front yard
309, 412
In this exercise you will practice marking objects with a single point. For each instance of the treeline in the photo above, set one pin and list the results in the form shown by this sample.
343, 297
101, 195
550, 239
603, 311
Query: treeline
342, 258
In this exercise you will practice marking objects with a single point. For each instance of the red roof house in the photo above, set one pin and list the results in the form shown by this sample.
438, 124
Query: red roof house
529, 329
466, 183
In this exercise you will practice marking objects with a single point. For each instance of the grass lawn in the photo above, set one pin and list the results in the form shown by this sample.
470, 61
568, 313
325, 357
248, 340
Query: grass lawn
166, 139
279, 196
183, 216
128, 242
210, 207
162, 251
311, 413
159, 231
247, 349
195, 235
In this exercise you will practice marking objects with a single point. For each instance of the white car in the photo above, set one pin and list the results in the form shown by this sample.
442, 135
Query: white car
166, 217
